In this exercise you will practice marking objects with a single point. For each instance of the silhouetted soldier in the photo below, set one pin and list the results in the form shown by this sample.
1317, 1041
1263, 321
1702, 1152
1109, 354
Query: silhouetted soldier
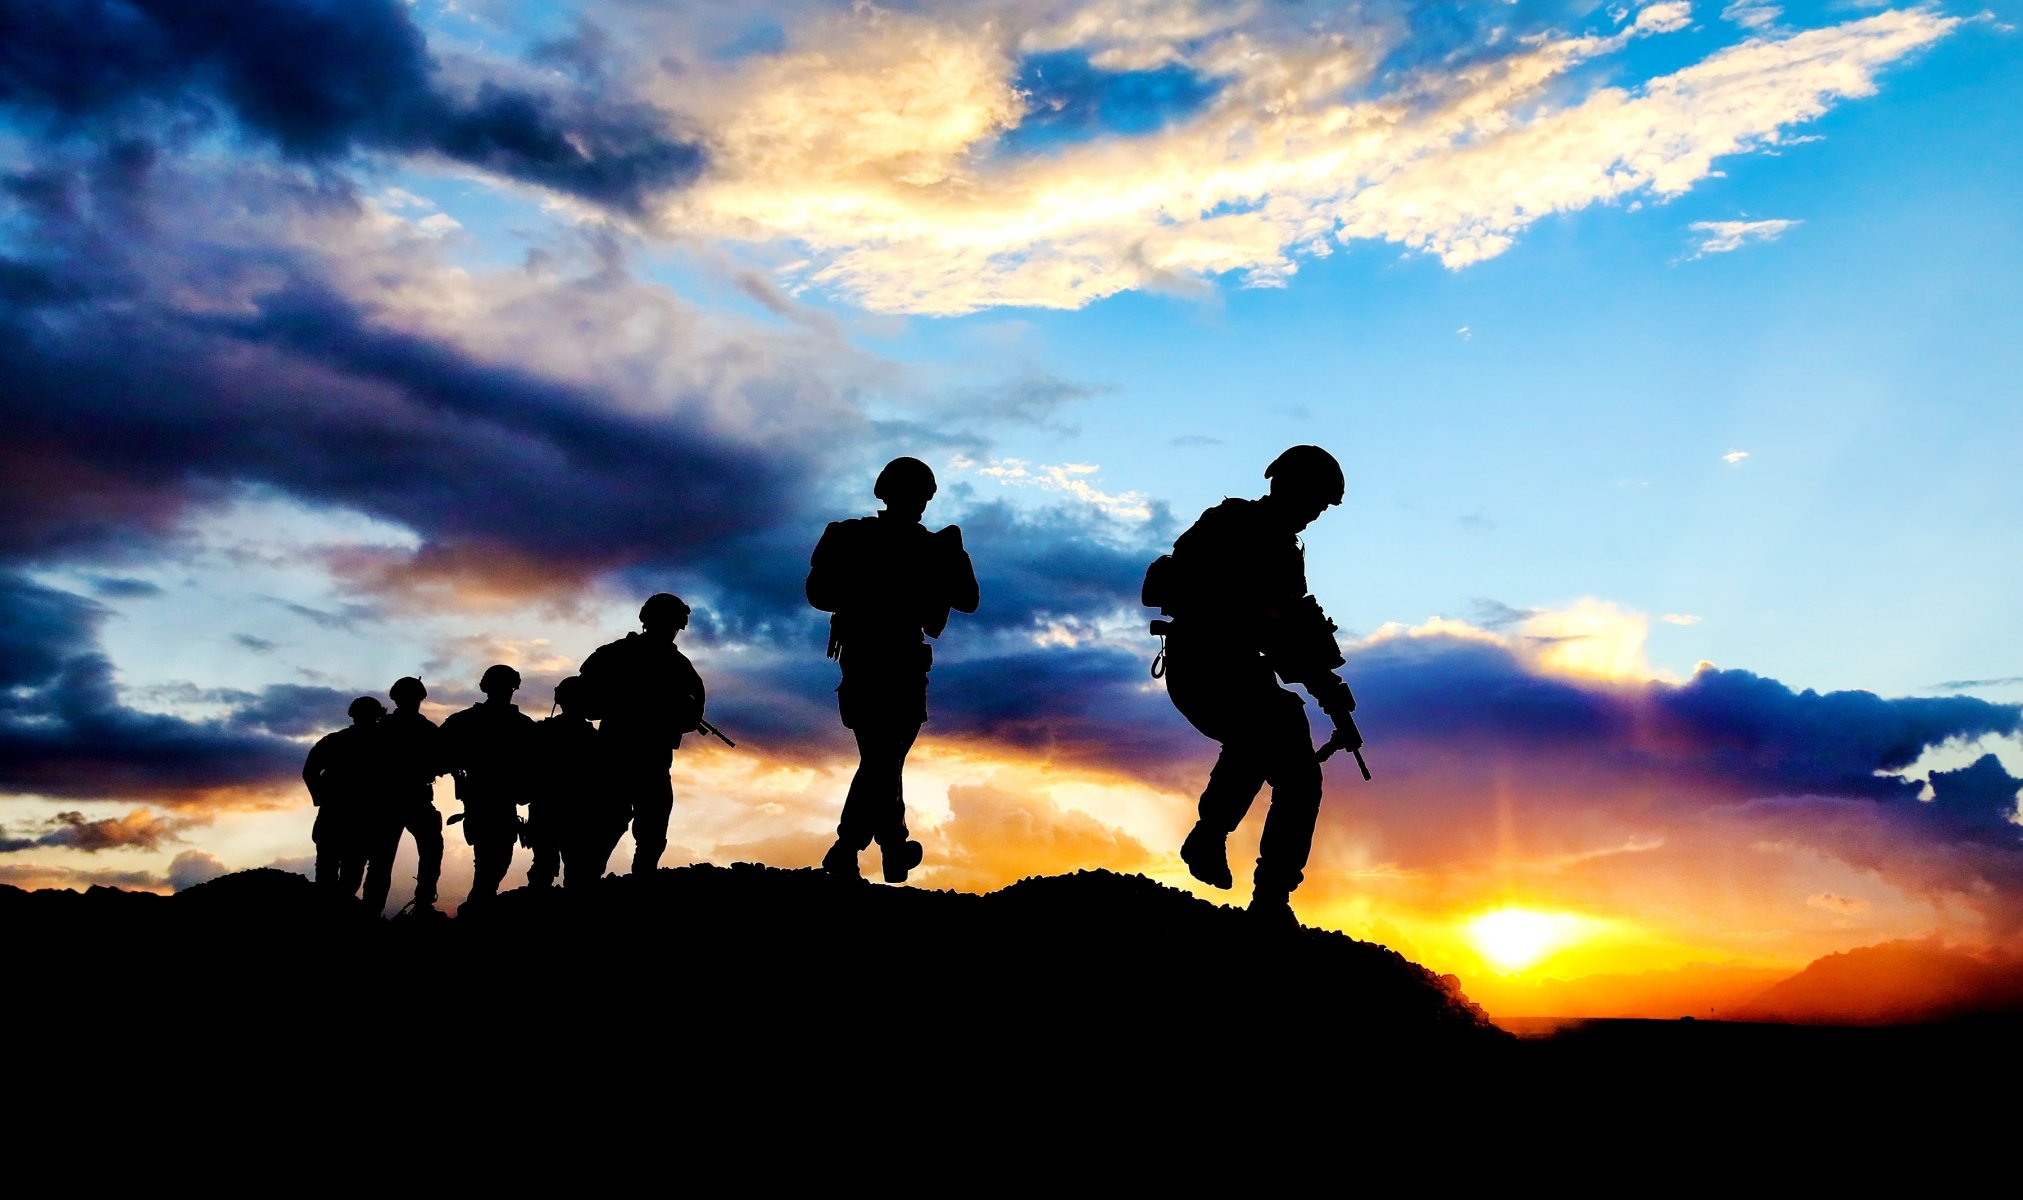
342, 772
890, 584
411, 752
647, 695
487, 745
1236, 588
573, 820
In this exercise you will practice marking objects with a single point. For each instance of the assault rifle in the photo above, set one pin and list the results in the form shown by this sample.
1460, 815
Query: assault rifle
702, 726
1346, 737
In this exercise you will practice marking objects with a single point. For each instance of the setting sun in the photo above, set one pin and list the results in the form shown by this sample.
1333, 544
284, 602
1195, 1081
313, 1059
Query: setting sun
1511, 939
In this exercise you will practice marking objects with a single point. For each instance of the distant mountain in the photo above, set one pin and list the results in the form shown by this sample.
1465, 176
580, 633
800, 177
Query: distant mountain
1891, 983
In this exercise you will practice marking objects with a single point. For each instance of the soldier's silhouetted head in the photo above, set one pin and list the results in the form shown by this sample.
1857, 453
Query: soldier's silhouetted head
664, 612
499, 682
905, 485
1307, 481
407, 692
567, 692
365, 710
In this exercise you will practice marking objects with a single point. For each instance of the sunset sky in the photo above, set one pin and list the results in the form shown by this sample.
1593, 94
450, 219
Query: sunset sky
1670, 348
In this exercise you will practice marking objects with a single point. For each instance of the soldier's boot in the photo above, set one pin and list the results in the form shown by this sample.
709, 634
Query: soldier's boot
1271, 907
900, 859
841, 861
1206, 854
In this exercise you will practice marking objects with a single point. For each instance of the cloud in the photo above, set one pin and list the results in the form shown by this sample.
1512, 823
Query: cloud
1276, 140
527, 463
1071, 478
292, 710
138, 830
1679, 619
1734, 457
1968, 685
113, 588
1722, 237
64, 732
994, 837
1752, 16
36, 877
1842, 905
320, 81
193, 867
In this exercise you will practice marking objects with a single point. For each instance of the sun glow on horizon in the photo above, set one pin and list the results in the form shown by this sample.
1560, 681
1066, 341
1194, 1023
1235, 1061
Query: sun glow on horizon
1514, 939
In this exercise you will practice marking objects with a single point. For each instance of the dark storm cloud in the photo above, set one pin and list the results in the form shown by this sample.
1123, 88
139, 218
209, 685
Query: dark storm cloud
1085, 704
65, 732
320, 78
1731, 732
292, 710
1057, 561
125, 409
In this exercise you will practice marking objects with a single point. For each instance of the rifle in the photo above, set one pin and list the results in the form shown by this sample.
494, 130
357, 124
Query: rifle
1345, 737
702, 726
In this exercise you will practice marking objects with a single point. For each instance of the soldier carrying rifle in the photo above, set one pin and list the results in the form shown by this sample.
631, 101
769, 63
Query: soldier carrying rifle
1241, 620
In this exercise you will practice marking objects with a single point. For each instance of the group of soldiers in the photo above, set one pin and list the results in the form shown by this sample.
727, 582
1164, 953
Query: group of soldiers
1237, 620
582, 784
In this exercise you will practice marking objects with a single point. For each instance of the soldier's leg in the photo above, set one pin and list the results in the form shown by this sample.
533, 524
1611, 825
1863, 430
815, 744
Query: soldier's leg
329, 850
382, 842
426, 824
652, 805
547, 854
1295, 799
875, 808
1233, 784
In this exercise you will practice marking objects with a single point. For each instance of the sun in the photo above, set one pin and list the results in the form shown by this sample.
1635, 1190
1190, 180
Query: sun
1511, 939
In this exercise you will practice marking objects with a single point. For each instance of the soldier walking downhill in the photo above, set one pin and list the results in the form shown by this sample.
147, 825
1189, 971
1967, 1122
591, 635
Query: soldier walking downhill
1235, 586
890, 583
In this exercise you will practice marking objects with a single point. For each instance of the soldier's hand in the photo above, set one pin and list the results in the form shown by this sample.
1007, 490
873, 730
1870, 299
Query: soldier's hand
1333, 696
1344, 738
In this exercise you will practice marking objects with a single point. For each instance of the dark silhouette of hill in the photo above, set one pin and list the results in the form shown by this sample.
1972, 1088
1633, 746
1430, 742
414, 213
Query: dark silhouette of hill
749, 972
1891, 983
760, 1013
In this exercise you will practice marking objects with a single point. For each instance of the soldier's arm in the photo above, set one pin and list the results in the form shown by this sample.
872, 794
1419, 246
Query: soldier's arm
825, 586
312, 772
959, 573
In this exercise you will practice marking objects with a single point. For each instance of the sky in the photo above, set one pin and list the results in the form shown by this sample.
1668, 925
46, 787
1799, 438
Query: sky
1669, 349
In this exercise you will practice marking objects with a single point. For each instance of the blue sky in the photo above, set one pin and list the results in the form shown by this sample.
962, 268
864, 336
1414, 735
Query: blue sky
1650, 336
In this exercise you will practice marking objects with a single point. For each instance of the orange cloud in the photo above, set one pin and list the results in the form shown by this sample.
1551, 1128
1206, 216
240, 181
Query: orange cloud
994, 836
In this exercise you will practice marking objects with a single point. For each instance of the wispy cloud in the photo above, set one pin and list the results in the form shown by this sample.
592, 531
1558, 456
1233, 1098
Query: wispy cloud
1733, 457
1723, 237
1752, 15
1072, 478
